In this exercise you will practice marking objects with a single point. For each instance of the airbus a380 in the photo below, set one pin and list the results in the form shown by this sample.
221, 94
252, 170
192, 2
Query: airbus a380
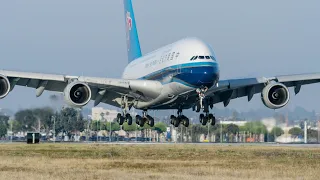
181, 75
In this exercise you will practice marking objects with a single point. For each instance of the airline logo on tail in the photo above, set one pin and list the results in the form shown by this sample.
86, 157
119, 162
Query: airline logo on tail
129, 27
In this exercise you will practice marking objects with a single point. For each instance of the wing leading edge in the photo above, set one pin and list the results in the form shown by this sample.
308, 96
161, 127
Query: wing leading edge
107, 90
227, 90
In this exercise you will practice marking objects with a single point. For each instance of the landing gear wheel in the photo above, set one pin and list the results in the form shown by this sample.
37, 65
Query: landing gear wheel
121, 120
201, 117
185, 121
213, 121
176, 122
142, 121
129, 119
138, 119
172, 117
150, 121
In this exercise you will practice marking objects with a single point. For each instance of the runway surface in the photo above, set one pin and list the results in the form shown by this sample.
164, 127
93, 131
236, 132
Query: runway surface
194, 144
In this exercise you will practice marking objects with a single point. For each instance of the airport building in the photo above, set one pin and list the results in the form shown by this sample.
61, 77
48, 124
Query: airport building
101, 114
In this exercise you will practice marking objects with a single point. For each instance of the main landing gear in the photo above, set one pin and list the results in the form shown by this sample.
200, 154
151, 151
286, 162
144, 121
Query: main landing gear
145, 118
179, 119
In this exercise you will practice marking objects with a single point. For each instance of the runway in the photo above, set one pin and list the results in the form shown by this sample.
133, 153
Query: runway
215, 144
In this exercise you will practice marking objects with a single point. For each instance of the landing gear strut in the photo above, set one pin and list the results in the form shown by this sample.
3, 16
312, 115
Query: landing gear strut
145, 118
180, 119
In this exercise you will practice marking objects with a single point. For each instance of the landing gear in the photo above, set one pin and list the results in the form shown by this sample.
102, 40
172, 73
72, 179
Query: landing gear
145, 118
126, 118
208, 118
180, 119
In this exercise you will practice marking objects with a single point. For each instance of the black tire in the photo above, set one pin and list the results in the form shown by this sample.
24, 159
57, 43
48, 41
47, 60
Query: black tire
121, 120
201, 118
186, 122
213, 121
129, 119
204, 121
138, 119
119, 117
176, 122
151, 122
142, 121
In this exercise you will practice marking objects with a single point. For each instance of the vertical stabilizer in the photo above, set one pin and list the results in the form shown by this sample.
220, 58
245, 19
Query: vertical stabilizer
133, 44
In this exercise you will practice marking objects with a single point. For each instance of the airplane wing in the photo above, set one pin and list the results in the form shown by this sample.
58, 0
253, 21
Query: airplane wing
106, 90
247, 87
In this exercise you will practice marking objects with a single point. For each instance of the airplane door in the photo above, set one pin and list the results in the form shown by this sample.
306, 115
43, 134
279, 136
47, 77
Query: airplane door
176, 56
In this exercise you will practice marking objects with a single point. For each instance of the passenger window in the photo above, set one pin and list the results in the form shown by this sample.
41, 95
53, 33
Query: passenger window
201, 57
207, 57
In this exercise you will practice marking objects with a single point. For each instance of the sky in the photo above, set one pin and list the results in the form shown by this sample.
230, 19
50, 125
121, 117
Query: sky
79, 37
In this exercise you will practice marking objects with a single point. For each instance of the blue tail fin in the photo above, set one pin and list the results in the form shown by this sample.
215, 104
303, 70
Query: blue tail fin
133, 45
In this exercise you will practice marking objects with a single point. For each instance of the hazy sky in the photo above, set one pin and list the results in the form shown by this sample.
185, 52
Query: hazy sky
81, 37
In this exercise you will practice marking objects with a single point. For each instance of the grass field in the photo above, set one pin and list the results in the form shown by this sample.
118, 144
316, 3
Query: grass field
96, 161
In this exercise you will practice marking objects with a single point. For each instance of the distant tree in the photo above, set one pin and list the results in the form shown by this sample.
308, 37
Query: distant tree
3, 130
255, 127
312, 134
69, 120
232, 129
277, 131
4, 120
27, 120
160, 127
3, 125
16, 126
44, 118
296, 131
114, 126
127, 127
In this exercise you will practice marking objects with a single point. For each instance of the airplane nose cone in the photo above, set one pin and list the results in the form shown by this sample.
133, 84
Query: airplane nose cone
203, 76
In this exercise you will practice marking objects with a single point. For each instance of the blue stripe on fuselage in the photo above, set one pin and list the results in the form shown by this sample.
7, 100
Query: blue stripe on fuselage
194, 74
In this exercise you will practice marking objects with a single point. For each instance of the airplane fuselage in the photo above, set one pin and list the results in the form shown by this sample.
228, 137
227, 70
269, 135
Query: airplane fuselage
182, 66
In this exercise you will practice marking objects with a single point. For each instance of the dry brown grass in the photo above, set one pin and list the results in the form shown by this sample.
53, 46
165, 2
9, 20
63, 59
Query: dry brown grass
82, 161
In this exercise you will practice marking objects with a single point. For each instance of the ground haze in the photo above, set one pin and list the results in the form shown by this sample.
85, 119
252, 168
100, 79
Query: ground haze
166, 161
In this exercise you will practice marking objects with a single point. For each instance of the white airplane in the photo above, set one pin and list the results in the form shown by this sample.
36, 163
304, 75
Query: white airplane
181, 75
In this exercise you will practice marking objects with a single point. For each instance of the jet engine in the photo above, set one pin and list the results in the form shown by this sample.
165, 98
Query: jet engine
77, 94
4, 86
275, 95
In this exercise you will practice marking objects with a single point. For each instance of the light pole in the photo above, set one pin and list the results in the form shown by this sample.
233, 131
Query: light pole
221, 131
53, 118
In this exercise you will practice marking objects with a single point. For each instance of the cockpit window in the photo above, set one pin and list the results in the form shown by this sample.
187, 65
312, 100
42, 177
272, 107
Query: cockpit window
201, 57
208, 57
212, 58
192, 58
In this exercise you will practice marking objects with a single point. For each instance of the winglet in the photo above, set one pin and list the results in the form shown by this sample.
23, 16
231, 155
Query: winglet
133, 44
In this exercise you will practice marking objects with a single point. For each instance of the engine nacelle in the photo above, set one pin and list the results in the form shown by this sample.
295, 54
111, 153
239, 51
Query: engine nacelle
275, 95
77, 94
4, 86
